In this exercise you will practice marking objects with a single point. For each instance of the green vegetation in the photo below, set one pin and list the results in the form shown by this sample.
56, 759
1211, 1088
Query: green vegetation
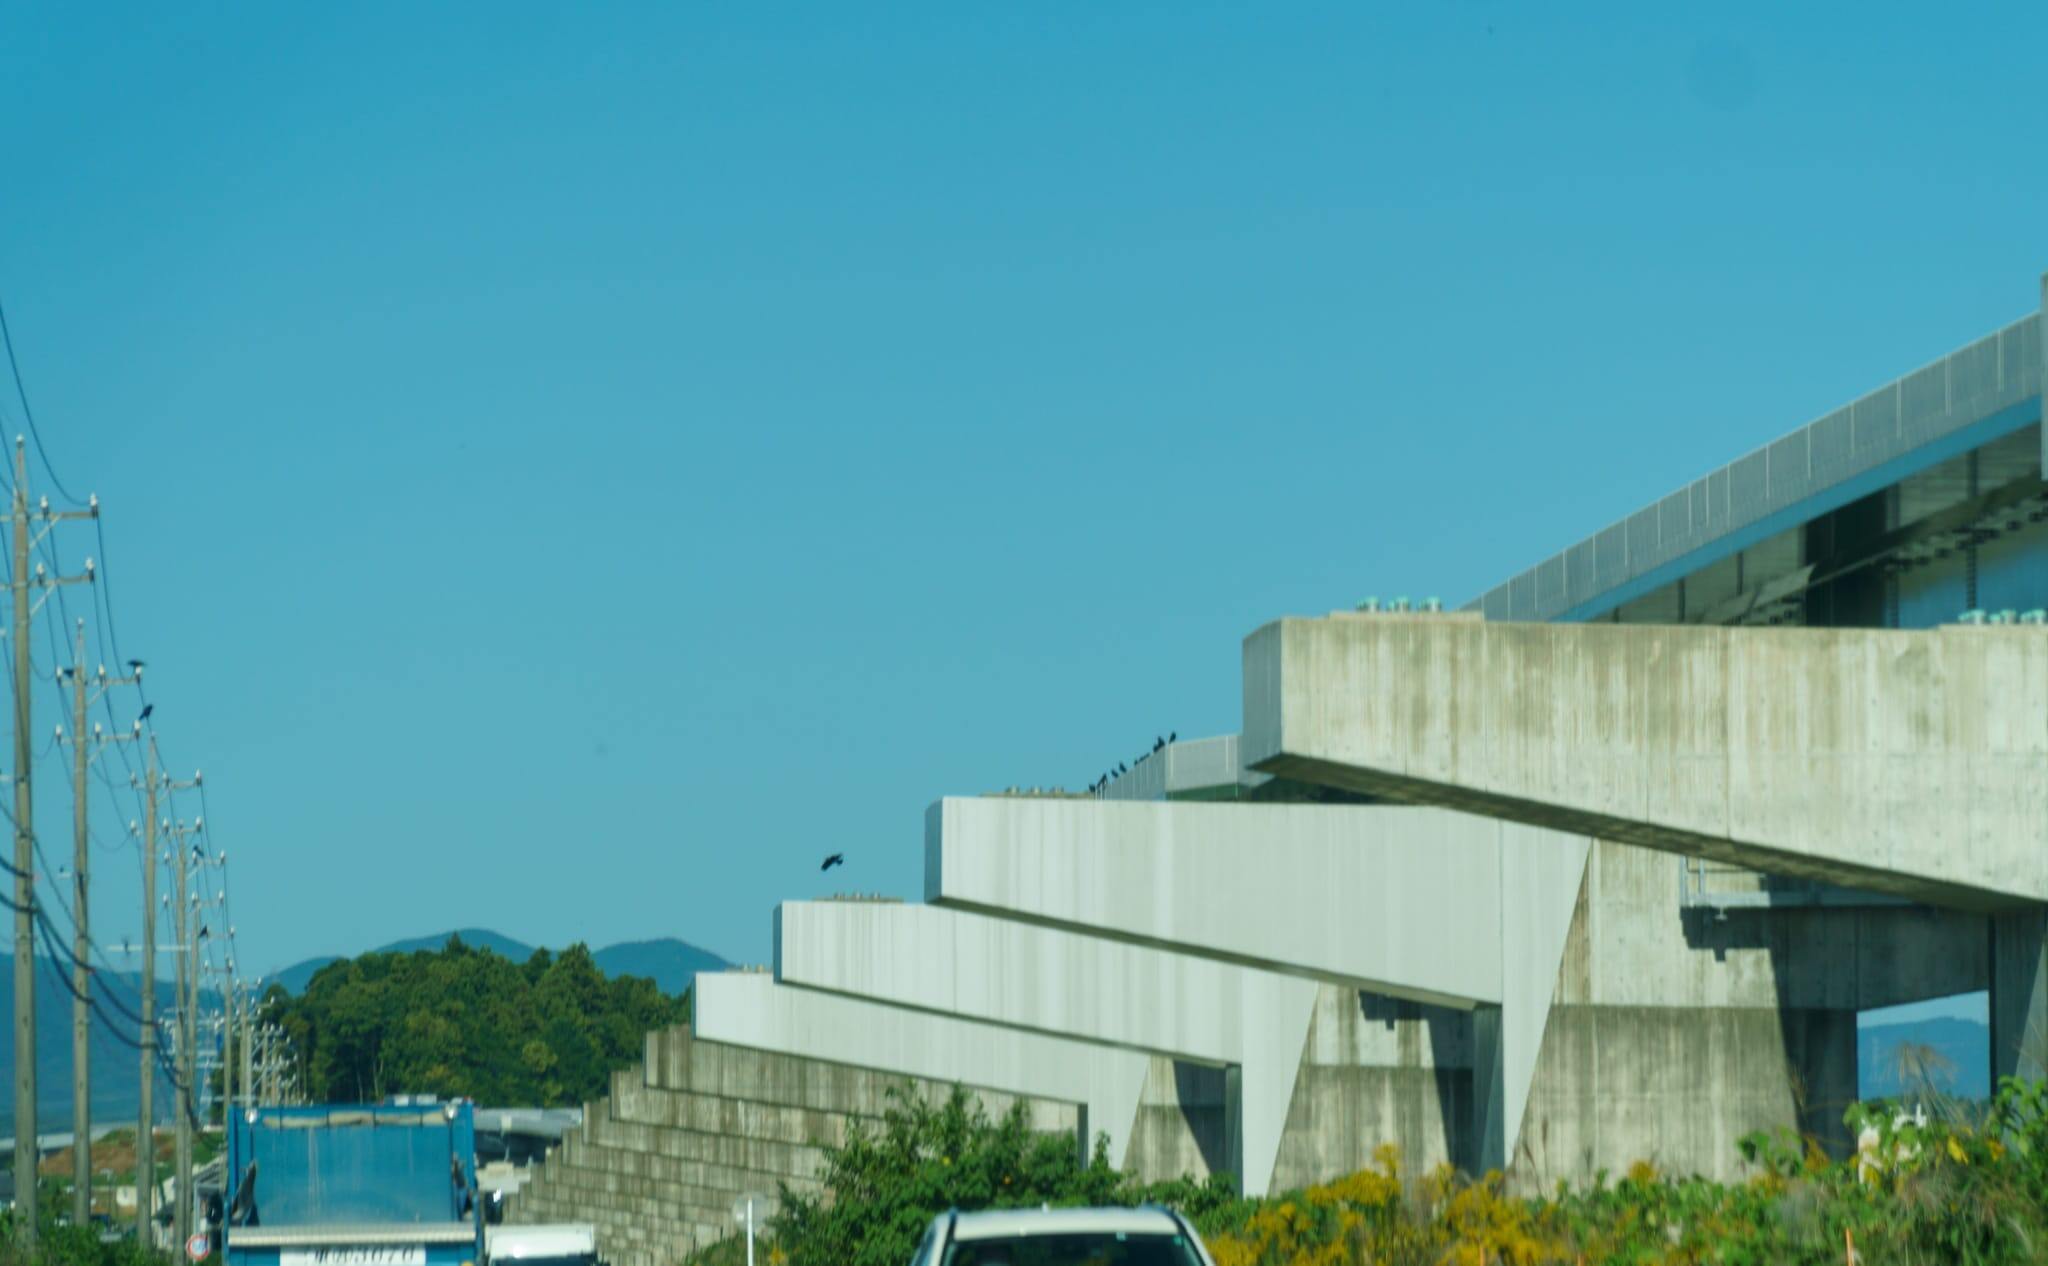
885, 1184
64, 1245
1969, 1187
469, 1022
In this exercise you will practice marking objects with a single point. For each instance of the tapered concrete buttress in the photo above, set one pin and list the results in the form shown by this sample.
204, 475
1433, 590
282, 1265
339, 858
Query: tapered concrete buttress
1835, 754
1066, 985
750, 1009
1421, 904
2019, 994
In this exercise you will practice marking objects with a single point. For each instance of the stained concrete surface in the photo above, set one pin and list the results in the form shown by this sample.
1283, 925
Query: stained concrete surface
1832, 754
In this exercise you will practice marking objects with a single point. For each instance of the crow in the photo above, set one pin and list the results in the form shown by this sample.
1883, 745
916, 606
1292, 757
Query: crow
1173, 736
1158, 743
1120, 769
147, 708
837, 859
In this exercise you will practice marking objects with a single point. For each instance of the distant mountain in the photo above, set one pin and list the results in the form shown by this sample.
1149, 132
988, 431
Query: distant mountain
116, 1065
298, 975
1962, 1049
475, 938
670, 963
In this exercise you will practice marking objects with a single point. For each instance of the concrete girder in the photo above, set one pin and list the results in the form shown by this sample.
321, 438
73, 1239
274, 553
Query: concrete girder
1833, 754
749, 1009
1066, 985
1425, 904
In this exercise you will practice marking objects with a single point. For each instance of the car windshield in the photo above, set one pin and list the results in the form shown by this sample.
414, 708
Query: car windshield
1081, 1249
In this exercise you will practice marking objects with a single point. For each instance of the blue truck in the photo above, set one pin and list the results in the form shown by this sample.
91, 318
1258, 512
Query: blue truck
389, 1184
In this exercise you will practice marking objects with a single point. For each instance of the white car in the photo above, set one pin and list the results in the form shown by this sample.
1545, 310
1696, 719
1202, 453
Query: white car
1148, 1236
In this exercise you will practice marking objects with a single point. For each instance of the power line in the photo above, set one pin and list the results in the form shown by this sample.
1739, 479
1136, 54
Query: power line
21, 393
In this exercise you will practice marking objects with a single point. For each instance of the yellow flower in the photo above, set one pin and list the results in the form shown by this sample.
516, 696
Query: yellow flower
1955, 1149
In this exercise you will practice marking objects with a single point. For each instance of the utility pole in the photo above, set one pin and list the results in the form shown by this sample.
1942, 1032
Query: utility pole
23, 582
227, 1058
145, 1133
248, 1051
83, 749
81, 978
24, 880
188, 1031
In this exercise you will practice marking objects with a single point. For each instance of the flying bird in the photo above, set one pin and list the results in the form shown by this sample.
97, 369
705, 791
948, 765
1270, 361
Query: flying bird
837, 859
147, 708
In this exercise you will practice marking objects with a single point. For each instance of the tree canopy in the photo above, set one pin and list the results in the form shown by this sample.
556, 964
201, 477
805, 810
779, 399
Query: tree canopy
462, 1021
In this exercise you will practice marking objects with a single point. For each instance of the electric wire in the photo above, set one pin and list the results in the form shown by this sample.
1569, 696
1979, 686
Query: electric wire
106, 636
21, 393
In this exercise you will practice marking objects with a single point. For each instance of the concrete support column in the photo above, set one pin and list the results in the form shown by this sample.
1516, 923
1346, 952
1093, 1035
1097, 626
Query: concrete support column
1820, 1053
1488, 1146
1233, 1121
2019, 994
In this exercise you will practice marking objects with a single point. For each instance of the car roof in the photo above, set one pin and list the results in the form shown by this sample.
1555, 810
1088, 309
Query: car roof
992, 1224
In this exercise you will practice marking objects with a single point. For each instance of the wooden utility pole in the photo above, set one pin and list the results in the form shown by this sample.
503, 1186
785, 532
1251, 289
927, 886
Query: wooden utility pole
81, 949
187, 1034
23, 584
84, 747
249, 1051
145, 1134
227, 1056
25, 1153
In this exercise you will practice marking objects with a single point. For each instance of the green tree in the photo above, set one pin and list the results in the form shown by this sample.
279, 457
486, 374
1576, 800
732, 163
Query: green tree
464, 1021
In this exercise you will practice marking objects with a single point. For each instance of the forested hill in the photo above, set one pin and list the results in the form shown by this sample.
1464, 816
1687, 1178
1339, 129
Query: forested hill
470, 1022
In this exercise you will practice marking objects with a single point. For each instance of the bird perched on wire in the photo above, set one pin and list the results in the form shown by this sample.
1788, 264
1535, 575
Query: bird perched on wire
147, 708
837, 859
137, 664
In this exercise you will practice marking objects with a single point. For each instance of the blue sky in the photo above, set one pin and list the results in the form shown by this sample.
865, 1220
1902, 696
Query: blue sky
571, 468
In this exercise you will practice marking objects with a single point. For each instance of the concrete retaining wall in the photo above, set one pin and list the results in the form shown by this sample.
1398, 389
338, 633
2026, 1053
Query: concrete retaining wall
657, 1165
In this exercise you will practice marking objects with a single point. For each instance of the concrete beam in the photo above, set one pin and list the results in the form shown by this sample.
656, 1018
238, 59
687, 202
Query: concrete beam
1424, 904
1827, 753
749, 1009
1233, 882
1065, 985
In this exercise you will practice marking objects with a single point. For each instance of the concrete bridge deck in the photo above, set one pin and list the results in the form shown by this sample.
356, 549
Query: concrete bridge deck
1902, 762
750, 1009
1254, 1023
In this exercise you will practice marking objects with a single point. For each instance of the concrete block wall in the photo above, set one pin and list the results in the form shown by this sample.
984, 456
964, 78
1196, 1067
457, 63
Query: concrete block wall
657, 1164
